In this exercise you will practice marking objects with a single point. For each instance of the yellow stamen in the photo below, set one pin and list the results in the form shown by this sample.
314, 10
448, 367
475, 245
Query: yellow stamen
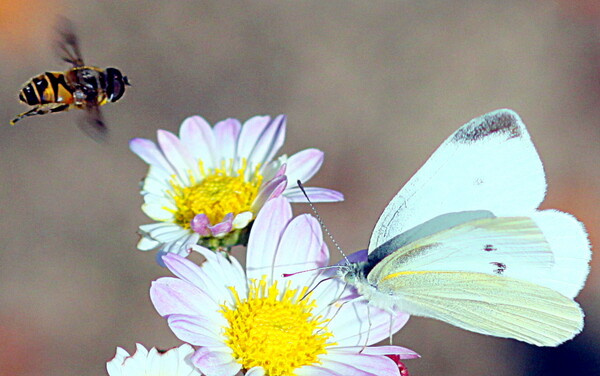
218, 193
273, 330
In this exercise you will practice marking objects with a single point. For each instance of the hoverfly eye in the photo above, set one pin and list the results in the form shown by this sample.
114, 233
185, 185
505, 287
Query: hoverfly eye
117, 91
115, 84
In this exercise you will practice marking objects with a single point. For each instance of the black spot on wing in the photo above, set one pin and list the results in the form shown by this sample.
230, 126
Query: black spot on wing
500, 267
500, 123
489, 248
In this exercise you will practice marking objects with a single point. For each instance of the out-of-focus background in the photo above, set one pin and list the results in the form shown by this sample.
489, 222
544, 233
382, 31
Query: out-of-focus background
376, 85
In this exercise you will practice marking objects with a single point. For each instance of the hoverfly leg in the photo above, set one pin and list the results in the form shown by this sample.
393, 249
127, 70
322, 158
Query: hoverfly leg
41, 110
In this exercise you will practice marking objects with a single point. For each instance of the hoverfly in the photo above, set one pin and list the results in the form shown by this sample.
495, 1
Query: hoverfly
83, 86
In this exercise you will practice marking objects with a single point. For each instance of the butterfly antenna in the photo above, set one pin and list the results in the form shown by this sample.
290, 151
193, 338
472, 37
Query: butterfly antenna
316, 213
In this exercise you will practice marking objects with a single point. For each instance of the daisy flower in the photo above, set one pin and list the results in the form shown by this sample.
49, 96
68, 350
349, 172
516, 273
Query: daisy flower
207, 185
260, 323
174, 362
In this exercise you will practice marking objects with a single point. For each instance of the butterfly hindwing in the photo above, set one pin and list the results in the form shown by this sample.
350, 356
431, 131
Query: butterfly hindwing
487, 304
509, 246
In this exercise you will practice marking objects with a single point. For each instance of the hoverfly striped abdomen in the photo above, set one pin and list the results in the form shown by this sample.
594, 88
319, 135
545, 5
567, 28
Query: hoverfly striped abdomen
49, 87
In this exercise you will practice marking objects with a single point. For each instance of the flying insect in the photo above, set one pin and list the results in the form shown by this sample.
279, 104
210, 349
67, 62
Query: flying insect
83, 87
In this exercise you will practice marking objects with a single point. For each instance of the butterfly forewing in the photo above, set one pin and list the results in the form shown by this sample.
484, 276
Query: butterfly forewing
489, 163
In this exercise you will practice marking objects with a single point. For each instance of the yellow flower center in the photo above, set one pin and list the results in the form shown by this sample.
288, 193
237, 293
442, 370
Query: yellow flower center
218, 193
275, 331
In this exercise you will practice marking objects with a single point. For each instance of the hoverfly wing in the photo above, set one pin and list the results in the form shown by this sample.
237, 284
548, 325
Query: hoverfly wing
68, 45
92, 124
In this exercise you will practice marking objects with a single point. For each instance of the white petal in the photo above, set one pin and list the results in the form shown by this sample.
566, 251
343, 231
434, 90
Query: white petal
147, 244
157, 211
256, 371
241, 220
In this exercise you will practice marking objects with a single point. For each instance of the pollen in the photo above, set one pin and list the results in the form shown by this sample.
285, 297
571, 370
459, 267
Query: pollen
274, 329
220, 191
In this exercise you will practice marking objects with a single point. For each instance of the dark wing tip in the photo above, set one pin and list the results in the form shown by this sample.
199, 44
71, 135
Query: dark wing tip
504, 122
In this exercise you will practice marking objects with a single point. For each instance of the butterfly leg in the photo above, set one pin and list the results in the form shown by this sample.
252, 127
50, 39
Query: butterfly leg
368, 331
392, 316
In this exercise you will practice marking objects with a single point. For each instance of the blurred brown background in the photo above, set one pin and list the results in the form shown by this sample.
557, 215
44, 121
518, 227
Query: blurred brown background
376, 85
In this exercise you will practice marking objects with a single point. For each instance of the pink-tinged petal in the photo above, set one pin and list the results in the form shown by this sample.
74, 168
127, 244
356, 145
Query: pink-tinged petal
273, 188
218, 272
198, 137
174, 296
150, 153
264, 237
274, 168
294, 194
269, 142
359, 364
402, 352
300, 249
319, 371
223, 228
326, 294
186, 270
281, 170
251, 131
213, 363
177, 154
401, 366
356, 319
200, 224
226, 134
196, 330
304, 165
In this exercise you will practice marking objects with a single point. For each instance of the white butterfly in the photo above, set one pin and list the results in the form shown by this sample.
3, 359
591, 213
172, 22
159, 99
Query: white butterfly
463, 241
